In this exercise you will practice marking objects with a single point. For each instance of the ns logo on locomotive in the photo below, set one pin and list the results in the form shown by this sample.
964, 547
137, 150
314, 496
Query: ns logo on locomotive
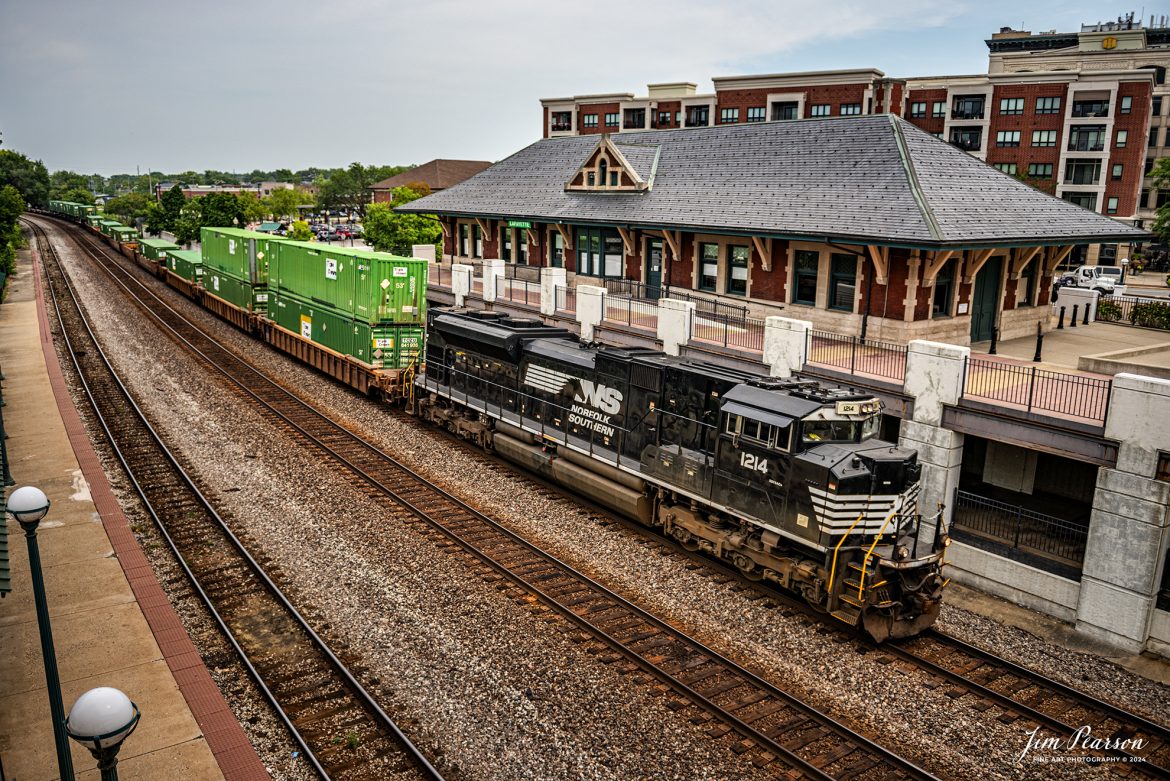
784, 478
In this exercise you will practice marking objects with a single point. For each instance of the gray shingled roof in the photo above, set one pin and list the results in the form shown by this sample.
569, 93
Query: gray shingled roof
642, 157
872, 178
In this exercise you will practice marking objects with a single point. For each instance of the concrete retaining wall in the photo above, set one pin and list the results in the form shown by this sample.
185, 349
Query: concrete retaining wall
1030, 587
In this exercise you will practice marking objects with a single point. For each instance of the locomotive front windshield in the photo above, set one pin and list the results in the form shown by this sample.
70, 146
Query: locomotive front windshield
828, 427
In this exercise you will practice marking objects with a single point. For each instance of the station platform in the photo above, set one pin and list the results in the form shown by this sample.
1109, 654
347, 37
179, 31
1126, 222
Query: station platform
112, 623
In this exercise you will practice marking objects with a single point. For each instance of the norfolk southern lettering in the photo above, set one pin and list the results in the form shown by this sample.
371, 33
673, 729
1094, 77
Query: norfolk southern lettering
603, 402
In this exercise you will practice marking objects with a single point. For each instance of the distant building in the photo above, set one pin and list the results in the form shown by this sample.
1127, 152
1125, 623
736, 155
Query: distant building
437, 174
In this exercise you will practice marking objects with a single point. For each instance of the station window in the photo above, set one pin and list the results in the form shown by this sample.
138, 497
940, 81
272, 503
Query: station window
1047, 105
556, 249
756, 114
944, 290
850, 109
737, 270
1011, 106
708, 266
728, 116
464, 239
805, 283
478, 242
821, 110
842, 282
599, 252
918, 110
506, 245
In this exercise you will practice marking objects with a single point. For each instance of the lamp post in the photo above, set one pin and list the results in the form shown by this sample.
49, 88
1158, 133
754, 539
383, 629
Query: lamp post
100, 720
28, 505
1124, 266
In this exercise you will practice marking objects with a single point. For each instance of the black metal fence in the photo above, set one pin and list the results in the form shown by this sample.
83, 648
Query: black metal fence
1032, 389
566, 299
851, 354
634, 312
519, 291
1134, 310
1018, 528
746, 333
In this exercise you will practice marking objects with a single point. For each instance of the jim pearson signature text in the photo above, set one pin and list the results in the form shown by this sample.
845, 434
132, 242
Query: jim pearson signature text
1041, 748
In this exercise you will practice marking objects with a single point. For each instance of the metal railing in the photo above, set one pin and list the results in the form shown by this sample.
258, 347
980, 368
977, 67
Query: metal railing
1032, 389
566, 299
712, 308
746, 333
519, 291
439, 275
1019, 528
634, 312
852, 355
1134, 310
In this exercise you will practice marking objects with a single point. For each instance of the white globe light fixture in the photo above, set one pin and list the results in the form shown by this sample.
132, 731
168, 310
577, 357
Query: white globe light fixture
28, 505
100, 720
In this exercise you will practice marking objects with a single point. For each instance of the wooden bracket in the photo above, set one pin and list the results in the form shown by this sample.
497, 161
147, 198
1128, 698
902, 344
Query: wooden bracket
881, 262
934, 265
675, 243
627, 241
975, 261
1056, 258
533, 238
566, 239
443, 226
483, 228
764, 248
1022, 257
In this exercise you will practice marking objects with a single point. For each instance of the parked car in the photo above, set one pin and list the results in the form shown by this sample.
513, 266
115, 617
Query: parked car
343, 231
1092, 278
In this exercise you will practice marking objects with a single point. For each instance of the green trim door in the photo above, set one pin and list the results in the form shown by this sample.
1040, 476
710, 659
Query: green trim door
654, 268
985, 299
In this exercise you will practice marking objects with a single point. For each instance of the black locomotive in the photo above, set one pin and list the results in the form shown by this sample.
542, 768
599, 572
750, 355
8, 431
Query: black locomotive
785, 478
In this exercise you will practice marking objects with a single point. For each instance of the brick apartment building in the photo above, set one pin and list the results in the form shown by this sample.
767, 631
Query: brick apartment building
1077, 115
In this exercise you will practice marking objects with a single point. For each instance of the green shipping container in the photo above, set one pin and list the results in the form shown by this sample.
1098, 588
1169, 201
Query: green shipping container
238, 292
95, 219
124, 233
242, 253
106, 226
187, 263
365, 286
155, 248
381, 346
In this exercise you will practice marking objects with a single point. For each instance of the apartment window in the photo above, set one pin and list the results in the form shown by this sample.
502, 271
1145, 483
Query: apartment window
1159, 73
1008, 168
1082, 172
1126, 104
635, 119
1149, 166
613, 120
1118, 170
968, 139
561, 120
1162, 199
1007, 138
805, 284
1047, 105
783, 111
944, 290
1043, 138
1085, 200
939, 134
842, 282
1040, 170
737, 270
1144, 200
663, 119
478, 241
1011, 106
918, 110
1156, 107
1111, 205
821, 110
850, 109
708, 266
464, 239
588, 120
728, 116
506, 245
939, 109
1153, 136
556, 249
599, 252
1090, 108
1086, 138
967, 107
698, 116
1122, 138
756, 114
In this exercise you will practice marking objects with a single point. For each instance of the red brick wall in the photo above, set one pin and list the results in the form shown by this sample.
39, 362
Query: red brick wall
634, 261
545, 112
742, 99
600, 109
770, 285
928, 96
835, 95
1045, 295
682, 269
1132, 157
670, 106
887, 300
1009, 292
450, 236
923, 299
537, 250
491, 239
1025, 153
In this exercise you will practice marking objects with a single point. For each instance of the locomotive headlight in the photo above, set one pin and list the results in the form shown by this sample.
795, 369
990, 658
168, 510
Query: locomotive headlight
833, 485
901, 553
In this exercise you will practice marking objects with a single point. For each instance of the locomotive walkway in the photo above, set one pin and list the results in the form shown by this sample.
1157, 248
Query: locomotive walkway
112, 623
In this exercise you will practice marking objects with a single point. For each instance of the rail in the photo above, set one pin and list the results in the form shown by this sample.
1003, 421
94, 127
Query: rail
566, 299
851, 354
633, 312
1019, 528
1134, 310
745, 334
1030, 388
519, 291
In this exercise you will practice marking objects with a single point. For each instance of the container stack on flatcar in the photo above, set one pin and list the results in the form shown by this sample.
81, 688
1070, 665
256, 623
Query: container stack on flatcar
235, 273
156, 249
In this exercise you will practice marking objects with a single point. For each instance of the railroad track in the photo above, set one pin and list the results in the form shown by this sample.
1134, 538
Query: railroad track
342, 730
773, 729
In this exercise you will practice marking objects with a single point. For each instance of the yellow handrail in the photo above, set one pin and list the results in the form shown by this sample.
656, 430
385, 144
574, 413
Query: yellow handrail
833, 571
868, 553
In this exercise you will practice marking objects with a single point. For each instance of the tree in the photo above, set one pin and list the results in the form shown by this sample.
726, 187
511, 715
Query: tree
29, 177
283, 175
300, 231
70, 186
1159, 178
221, 210
254, 209
172, 203
186, 226
284, 202
11, 205
389, 231
155, 220
74, 195
130, 207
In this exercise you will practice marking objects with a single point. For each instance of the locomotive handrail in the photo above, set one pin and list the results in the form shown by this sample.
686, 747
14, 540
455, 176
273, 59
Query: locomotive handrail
845, 536
869, 553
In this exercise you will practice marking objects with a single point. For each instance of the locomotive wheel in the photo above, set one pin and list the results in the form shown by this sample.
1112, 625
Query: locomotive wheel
748, 567
685, 538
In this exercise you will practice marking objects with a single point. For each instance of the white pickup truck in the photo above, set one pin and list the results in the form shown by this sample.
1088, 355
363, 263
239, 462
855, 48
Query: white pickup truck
1103, 279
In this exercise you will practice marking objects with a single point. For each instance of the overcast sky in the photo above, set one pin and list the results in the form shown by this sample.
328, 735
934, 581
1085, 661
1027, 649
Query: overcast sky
243, 84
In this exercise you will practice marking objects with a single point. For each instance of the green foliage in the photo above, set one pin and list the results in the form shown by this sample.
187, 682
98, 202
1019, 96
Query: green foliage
1151, 315
172, 203
1108, 311
254, 209
284, 203
300, 231
70, 186
29, 177
389, 231
129, 207
74, 195
11, 206
187, 224
221, 210
155, 220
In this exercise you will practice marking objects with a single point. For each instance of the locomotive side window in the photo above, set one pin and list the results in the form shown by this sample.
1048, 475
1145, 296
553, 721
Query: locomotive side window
758, 432
829, 431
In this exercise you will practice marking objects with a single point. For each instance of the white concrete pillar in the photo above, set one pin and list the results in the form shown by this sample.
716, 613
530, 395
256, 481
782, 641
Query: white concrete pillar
934, 378
785, 345
1129, 527
493, 278
461, 282
550, 280
675, 318
423, 251
1080, 298
590, 309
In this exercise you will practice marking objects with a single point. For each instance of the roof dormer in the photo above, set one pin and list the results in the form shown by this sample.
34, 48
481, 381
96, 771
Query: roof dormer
616, 167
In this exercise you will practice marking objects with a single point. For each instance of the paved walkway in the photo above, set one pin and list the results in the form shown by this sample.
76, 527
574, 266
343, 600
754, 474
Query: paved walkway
1063, 348
112, 623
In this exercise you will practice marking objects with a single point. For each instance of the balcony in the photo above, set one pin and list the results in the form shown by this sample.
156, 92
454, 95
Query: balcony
1090, 108
561, 121
1081, 173
967, 108
967, 140
560, 127
782, 112
697, 119
634, 120
1086, 144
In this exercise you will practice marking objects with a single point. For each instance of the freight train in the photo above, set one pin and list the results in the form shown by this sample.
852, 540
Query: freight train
785, 479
